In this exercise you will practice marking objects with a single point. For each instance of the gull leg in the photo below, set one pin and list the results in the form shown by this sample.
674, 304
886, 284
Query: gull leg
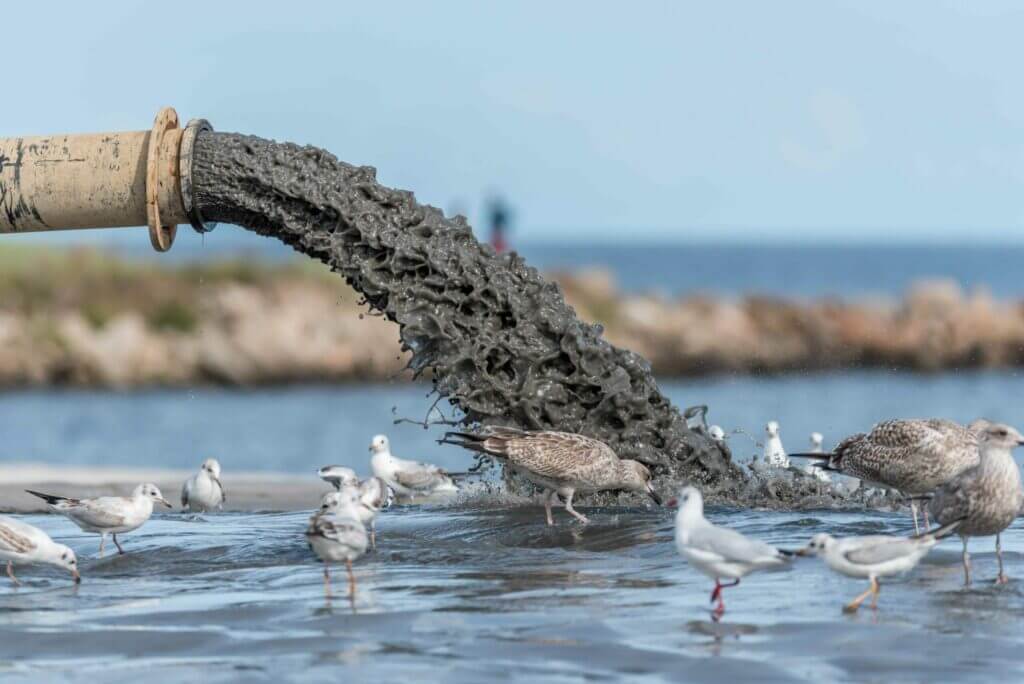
572, 511
718, 594
548, 494
853, 605
117, 544
10, 573
351, 580
876, 589
327, 580
1000, 578
927, 523
967, 564
103, 540
373, 534
913, 512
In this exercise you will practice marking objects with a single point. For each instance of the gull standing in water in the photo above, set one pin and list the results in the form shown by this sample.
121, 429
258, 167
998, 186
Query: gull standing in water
874, 556
203, 491
24, 544
986, 497
372, 495
336, 535
912, 456
561, 463
774, 454
408, 478
112, 515
719, 552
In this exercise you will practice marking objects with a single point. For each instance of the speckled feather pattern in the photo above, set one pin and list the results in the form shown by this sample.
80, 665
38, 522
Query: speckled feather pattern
562, 458
987, 496
913, 456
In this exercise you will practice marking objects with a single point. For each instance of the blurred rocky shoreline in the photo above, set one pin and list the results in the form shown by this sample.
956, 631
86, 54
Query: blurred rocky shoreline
83, 318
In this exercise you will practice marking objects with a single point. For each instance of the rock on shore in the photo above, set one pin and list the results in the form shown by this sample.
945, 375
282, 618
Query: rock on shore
85, 319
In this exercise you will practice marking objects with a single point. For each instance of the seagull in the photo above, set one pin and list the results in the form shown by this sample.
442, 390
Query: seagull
912, 456
112, 515
24, 544
816, 442
561, 463
874, 556
716, 433
407, 478
373, 495
336, 535
719, 552
988, 496
774, 453
203, 491
338, 476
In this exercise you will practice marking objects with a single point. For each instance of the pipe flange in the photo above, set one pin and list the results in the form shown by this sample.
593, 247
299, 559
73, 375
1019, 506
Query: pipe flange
188, 141
160, 235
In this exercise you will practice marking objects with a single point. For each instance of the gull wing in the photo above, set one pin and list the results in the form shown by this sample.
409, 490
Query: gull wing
882, 550
186, 492
223, 494
556, 455
420, 476
732, 546
13, 540
344, 531
103, 512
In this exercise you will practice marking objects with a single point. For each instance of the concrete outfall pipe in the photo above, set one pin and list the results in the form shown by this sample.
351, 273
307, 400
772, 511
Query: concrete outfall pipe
102, 180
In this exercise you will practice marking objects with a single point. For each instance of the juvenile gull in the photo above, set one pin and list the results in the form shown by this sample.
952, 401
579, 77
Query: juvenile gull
338, 476
912, 456
336, 535
112, 515
988, 496
407, 478
774, 453
871, 557
561, 463
719, 552
203, 491
372, 495
24, 544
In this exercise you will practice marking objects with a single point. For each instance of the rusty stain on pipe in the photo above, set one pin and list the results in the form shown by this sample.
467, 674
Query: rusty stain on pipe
102, 180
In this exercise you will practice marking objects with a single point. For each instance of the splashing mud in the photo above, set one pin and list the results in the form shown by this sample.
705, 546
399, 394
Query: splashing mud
500, 343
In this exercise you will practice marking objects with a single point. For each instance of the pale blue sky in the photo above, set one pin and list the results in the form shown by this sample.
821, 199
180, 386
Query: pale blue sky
662, 121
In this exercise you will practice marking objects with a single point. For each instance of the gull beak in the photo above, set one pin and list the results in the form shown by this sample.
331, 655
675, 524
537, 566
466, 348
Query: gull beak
165, 503
803, 552
653, 494
1020, 442
77, 577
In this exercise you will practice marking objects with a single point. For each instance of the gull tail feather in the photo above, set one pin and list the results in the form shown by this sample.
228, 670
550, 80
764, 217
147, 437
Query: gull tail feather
820, 460
942, 531
48, 498
470, 441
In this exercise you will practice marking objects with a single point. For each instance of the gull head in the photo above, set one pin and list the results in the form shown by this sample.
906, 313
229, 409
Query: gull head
716, 433
819, 544
816, 440
636, 477
772, 429
211, 467
66, 559
151, 492
690, 502
1000, 436
379, 445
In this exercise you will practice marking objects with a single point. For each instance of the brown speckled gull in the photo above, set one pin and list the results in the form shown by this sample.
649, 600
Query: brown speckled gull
913, 456
988, 496
561, 463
